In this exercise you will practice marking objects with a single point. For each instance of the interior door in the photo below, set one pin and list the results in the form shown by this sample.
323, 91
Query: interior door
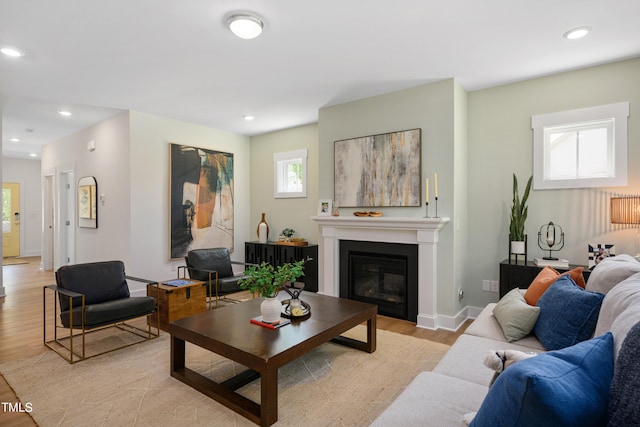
10, 219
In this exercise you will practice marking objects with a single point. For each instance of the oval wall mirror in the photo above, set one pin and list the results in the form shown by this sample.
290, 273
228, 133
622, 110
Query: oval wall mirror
87, 205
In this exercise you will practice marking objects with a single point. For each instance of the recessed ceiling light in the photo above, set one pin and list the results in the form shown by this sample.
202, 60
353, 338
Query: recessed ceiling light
14, 140
577, 33
12, 52
245, 26
248, 118
64, 113
33, 155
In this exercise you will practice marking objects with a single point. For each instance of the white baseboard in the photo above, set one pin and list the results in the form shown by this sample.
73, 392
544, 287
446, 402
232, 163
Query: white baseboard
449, 323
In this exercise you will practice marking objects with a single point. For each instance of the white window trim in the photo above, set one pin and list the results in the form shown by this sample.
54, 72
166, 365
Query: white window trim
619, 111
288, 155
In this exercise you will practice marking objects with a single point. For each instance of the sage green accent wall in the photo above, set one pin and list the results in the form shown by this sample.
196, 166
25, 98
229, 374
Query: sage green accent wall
293, 213
501, 143
433, 109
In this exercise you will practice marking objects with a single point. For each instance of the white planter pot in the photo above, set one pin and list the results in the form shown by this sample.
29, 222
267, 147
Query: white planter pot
270, 309
517, 248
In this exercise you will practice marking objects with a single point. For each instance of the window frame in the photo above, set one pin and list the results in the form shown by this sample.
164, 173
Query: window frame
279, 161
619, 112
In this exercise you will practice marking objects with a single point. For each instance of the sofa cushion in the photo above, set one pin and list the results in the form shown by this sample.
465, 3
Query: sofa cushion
620, 311
486, 326
568, 387
98, 281
624, 393
611, 271
516, 317
109, 312
465, 358
432, 400
545, 278
568, 314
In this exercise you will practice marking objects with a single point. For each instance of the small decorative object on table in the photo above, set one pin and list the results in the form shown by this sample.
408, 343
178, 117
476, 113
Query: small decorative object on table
599, 251
288, 233
295, 307
553, 239
268, 281
263, 230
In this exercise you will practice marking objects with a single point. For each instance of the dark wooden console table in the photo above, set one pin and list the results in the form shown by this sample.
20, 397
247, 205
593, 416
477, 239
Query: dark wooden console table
275, 254
521, 274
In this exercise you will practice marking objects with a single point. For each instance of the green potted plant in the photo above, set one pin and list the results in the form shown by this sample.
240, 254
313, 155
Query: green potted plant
268, 281
518, 217
288, 233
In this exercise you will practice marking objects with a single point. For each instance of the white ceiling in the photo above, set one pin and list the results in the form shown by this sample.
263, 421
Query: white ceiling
177, 59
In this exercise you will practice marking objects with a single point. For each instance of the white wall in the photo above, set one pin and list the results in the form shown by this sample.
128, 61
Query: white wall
109, 164
282, 213
149, 189
500, 143
27, 174
131, 164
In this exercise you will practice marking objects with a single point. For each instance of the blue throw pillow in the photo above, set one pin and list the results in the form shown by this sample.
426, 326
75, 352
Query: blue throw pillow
624, 394
567, 387
568, 314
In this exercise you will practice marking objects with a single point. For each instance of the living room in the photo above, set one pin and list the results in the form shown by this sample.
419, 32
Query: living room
474, 138
131, 166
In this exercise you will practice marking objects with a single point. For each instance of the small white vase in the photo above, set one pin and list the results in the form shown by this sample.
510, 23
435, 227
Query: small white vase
270, 309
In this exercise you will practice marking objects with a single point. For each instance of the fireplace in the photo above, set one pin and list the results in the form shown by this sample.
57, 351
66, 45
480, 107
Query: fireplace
416, 231
381, 273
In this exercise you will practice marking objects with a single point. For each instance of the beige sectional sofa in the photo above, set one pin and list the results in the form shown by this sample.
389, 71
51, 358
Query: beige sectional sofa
459, 383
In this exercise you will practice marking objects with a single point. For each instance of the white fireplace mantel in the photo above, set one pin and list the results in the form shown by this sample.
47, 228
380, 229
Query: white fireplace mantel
409, 230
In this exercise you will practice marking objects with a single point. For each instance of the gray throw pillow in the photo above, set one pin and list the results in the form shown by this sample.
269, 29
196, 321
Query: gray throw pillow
624, 393
515, 316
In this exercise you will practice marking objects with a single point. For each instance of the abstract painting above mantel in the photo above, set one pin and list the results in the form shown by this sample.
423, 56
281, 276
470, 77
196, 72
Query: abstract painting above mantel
378, 170
200, 199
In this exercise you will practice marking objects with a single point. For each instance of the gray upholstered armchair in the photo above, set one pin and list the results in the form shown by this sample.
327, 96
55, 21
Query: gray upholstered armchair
91, 297
214, 267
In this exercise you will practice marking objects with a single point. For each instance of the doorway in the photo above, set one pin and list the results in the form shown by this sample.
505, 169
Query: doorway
10, 219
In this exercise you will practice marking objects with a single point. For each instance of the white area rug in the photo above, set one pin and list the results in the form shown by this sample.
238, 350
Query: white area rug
331, 386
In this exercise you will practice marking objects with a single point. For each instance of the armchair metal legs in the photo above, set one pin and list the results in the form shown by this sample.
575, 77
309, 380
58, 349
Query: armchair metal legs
64, 346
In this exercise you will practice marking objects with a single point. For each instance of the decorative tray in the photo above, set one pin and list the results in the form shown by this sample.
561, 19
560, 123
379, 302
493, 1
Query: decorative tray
368, 213
286, 310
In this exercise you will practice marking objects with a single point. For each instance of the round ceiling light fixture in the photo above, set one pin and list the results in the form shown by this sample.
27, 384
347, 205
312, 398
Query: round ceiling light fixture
245, 26
576, 33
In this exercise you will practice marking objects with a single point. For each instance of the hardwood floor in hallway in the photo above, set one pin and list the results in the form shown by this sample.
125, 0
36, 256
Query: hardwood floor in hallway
21, 325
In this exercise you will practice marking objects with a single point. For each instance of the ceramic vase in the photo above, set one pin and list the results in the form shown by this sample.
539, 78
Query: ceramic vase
263, 230
270, 309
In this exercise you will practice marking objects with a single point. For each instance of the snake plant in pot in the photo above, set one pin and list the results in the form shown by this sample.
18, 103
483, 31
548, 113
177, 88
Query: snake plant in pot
518, 216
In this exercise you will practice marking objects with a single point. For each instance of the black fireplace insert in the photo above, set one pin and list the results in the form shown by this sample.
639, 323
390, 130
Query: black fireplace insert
381, 273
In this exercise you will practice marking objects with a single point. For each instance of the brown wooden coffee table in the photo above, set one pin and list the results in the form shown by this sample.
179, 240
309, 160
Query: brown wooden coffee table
228, 332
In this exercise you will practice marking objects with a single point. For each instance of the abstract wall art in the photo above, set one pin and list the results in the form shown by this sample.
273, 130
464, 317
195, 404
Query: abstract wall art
378, 170
200, 199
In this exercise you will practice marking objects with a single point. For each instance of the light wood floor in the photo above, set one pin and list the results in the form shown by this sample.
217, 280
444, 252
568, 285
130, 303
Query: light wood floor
21, 327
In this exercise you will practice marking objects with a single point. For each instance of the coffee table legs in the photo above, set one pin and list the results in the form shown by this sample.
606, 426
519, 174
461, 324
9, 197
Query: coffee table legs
369, 346
264, 414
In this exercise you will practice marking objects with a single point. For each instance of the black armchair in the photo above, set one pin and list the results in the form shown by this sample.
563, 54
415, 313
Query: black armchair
94, 296
214, 267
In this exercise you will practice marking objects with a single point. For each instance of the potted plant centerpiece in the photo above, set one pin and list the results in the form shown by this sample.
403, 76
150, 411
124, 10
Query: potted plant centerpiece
518, 216
268, 281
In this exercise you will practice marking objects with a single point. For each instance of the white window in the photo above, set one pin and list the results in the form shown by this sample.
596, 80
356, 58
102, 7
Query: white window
581, 148
290, 174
